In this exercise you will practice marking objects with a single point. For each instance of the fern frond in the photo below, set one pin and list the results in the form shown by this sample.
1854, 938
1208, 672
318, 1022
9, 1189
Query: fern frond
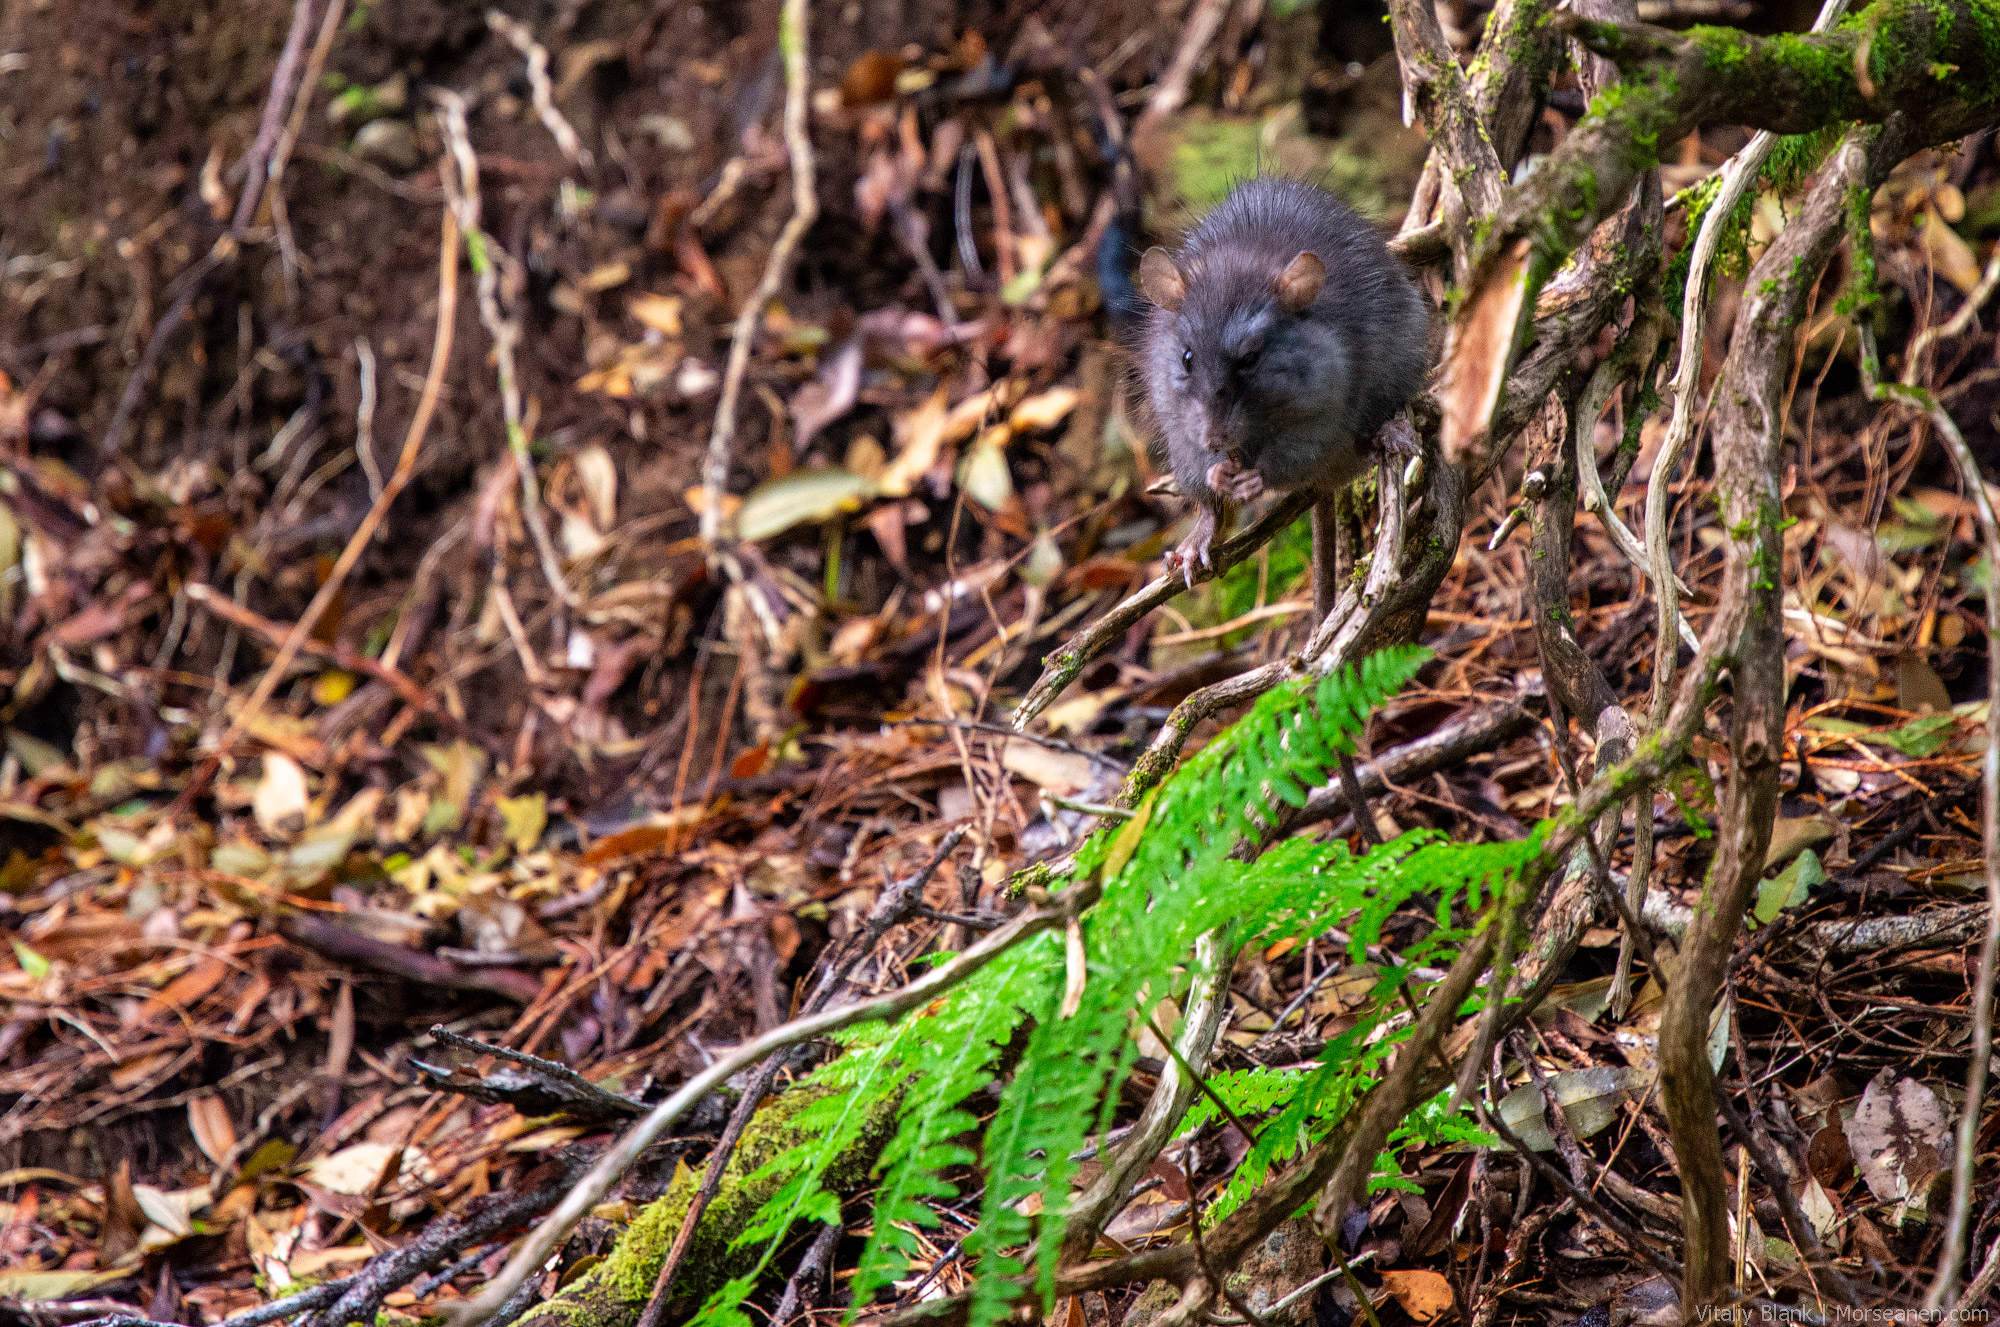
1168, 876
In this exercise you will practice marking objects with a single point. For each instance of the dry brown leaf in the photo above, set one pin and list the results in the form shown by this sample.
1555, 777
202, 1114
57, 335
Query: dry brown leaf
1423, 1294
208, 1121
1948, 252
352, 1170
1044, 410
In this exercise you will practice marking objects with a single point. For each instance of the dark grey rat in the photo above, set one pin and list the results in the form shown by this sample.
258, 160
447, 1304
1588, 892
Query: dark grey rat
1283, 342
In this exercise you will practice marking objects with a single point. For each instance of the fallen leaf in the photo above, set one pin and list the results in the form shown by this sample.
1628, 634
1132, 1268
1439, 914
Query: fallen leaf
1828, 1156
807, 495
1790, 887
29, 1286
1791, 835
524, 818
1423, 1294
1064, 773
208, 1121
598, 475
1589, 1099
920, 435
1898, 1136
1819, 1208
1919, 689
352, 1170
1949, 253
661, 313
984, 475
831, 394
281, 796
171, 1212
1044, 410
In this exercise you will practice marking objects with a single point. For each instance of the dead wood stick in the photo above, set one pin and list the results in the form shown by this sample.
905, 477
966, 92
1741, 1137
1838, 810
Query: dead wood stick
1063, 667
803, 1288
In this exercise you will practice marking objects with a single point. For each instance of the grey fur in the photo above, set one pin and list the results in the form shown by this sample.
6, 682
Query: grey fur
1303, 412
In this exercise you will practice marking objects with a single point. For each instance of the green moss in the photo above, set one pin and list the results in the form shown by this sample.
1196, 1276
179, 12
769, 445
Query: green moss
615, 1291
1822, 71
1212, 153
1863, 278
1721, 48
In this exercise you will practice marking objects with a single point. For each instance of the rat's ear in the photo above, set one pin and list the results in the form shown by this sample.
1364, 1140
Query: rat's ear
1161, 280
1301, 281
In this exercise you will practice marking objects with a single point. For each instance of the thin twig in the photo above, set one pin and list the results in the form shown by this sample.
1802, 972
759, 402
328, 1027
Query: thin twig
329, 25
793, 23
1201, 1083
1066, 664
1357, 801
1170, 93
522, 38
803, 1288
1639, 1244
488, 258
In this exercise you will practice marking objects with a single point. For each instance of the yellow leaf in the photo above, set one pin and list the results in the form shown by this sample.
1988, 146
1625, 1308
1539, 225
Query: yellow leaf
1127, 841
1043, 411
333, 686
525, 818
1949, 254
662, 313
920, 435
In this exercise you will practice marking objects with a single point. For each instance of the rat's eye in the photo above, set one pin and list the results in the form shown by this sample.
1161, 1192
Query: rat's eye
1187, 361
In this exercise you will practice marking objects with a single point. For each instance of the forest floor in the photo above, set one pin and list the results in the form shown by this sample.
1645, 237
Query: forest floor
569, 791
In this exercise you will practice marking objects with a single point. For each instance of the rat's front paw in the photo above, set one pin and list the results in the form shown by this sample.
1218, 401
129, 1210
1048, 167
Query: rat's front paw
1193, 550
1234, 482
1397, 438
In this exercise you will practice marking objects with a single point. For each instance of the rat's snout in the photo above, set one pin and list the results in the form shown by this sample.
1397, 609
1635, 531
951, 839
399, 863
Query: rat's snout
1225, 433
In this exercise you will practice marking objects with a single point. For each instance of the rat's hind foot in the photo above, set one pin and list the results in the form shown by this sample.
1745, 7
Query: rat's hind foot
1397, 438
1234, 482
1194, 547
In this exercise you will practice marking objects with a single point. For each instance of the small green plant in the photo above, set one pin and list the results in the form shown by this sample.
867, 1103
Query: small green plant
1173, 872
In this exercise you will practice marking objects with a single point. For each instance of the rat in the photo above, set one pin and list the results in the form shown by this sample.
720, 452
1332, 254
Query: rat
1283, 343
